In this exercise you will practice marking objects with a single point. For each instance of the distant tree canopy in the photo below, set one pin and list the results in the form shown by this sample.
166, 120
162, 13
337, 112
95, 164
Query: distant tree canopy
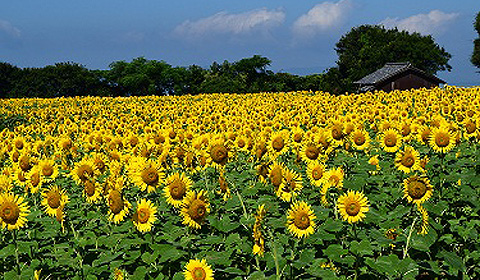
367, 48
360, 52
475, 59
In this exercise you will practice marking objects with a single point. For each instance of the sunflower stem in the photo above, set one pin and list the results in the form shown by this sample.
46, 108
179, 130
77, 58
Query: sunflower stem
405, 250
243, 205
275, 258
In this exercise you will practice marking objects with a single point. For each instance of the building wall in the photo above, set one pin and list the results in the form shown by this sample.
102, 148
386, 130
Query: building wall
407, 81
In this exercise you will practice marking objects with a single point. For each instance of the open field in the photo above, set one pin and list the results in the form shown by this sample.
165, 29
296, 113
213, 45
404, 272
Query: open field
295, 185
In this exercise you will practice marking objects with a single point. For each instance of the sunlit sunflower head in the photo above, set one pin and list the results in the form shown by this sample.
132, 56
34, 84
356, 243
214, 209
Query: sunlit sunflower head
118, 206
278, 143
423, 134
198, 270
84, 170
441, 139
315, 172
25, 161
195, 209
417, 189
360, 139
19, 177
35, 180
336, 132
300, 219
19, 142
352, 206
5, 183
297, 136
390, 140
48, 170
407, 160
310, 152
290, 186
219, 152
13, 211
100, 161
148, 175
470, 127
144, 215
334, 177
423, 225
53, 198
176, 187
92, 191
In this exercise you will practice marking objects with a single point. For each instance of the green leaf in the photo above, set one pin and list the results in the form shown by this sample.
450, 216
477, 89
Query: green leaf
334, 252
9, 250
139, 273
453, 261
364, 248
332, 225
234, 270
257, 275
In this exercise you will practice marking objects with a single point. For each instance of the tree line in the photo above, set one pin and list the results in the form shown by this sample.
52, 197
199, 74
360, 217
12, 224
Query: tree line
361, 51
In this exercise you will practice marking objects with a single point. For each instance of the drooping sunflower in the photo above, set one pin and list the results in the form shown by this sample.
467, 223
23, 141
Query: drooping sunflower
423, 226
315, 172
334, 177
148, 175
275, 174
118, 206
417, 189
195, 208
290, 186
442, 139
48, 170
224, 188
53, 198
176, 187
92, 191
144, 215
390, 140
300, 219
198, 270
13, 211
352, 206
35, 179
360, 139
408, 160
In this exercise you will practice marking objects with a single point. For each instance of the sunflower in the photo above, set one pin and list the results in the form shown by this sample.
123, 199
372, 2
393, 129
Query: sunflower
100, 161
53, 198
336, 133
352, 206
391, 140
441, 139
195, 208
423, 227
48, 170
315, 172
310, 152
5, 183
176, 187
118, 206
278, 143
360, 139
334, 177
417, 189
144, 216
290, 186
84, 170
275, 174
118, 274
297, 136
13, 211
423, 134
92, 191
407, 160
148, 175
300, 219
35, 180
224, 189
219, 152
198, 270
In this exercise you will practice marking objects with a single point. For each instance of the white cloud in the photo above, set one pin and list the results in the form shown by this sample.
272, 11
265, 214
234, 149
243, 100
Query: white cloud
433, 22
8, 28
322, 17
224, 23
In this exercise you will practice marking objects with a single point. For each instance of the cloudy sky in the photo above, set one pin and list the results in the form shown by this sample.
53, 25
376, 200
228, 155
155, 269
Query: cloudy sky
298, 36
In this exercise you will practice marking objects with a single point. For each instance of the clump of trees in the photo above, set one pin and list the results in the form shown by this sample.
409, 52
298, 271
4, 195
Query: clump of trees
361, 51
475, 59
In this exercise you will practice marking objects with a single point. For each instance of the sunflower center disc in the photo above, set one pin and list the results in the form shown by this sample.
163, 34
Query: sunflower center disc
115, 202
336, 133
53, 199
241, 143
312, 152
100, 164
35, 179
353, 208
417, 189
84, 172
360, 140
199, 273
317, 173
150, 176
276, 177
143, 215
24, 164
197, 210
297, 137
390, 141
89, 188
302, 221
218, 153
442, 140
408, 160
47, 170
9, 212
278, 144
177, 190
471, 127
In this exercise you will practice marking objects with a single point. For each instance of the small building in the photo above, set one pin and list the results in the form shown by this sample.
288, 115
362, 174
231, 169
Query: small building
397, 75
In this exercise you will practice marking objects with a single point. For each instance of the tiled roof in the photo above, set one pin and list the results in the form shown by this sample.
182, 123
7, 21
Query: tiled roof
390, 70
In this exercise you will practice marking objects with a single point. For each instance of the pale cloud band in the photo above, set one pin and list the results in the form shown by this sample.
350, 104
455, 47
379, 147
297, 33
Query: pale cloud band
433, 22
9, 29
322, 17
225, 23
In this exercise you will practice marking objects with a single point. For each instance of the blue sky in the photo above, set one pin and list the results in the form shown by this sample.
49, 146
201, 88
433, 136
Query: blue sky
298, 36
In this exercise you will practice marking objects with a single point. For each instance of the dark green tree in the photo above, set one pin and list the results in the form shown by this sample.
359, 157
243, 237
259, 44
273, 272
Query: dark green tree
368, 47
475, 59
9, 75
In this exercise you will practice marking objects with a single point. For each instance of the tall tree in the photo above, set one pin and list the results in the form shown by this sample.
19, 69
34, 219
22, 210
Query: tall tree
475, 59
368, 47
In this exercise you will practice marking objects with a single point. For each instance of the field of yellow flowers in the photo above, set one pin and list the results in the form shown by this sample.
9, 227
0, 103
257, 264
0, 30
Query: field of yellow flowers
296, 185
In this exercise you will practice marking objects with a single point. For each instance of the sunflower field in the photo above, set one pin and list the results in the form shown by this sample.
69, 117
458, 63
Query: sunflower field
296, 185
